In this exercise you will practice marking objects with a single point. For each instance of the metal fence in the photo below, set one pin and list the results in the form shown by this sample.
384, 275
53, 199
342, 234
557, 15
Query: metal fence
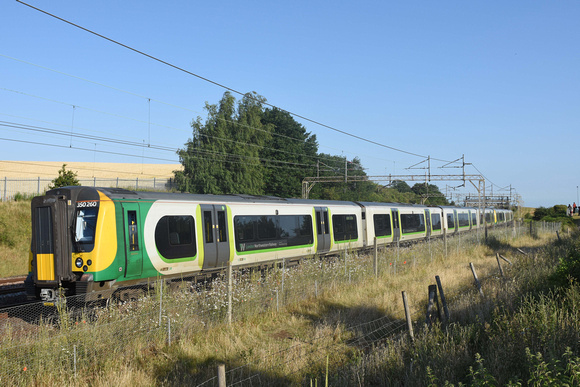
71, 342
10, 188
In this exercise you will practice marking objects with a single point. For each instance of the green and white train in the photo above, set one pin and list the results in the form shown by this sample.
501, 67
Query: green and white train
99, 242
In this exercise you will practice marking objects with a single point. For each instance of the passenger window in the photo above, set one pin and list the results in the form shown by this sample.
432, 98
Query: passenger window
267, 228
344, 227
208, 227
133, 235
222, 234
450, 221
175, 237
382, 224
318, 223
436, 221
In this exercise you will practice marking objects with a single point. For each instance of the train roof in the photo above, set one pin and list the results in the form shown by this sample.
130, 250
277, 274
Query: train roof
379, 204
77, 193
90, 193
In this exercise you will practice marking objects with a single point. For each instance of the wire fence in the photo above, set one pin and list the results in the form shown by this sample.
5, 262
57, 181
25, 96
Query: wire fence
74, 338
11, 188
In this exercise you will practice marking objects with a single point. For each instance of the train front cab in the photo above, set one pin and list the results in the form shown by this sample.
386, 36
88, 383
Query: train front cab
50, 246
71, 227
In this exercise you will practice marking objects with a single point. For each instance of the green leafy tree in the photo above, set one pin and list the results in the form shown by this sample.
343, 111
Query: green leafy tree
541, 212
65, 178
429, 194
361, 190
559, 210
401, 186
223, 155
289, 156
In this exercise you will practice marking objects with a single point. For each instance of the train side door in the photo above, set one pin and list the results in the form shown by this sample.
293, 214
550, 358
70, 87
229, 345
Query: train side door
216, 246
133, 240
322, 229
396, 228
428, 222
456, 217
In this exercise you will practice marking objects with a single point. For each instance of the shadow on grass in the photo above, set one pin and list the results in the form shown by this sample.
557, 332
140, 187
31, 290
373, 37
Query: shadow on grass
348, 333
363, 327
185, 370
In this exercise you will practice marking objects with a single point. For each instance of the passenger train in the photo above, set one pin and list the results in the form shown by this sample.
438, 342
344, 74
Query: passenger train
98, 241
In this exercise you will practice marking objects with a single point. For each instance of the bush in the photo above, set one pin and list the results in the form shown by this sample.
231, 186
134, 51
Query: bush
541, 212
569, 266
23, 197
560, 210
65, 178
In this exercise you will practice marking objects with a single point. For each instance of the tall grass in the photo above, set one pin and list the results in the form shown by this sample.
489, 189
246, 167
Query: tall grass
15, 230
326, 309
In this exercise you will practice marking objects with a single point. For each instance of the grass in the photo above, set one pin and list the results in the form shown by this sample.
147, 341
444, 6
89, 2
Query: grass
15, 230
355, 321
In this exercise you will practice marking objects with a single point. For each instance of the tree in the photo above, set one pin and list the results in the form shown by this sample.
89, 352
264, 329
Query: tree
430, 194
65, 178
223, 155
289, 156
401, 186
541, 212
361, 190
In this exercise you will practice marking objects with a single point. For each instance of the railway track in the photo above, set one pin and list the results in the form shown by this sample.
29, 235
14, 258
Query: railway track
12, 285
12, 291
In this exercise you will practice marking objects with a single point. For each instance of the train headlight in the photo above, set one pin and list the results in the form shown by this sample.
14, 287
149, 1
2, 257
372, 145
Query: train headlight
79, 262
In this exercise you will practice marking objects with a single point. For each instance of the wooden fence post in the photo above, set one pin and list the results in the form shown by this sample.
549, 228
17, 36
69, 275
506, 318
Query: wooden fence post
230, 285
505, 259
476, 280
222, 375
443, 300
499, 264
445, 241
432, 302
408, 316
376, 260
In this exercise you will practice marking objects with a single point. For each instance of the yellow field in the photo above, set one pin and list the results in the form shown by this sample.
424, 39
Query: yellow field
49, 169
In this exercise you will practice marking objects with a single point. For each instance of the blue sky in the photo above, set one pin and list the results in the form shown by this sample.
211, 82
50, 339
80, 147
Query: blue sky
496, 81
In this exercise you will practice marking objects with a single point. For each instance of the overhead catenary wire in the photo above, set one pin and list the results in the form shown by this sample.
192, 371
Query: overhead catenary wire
149, 99
199, 153
229, 88
167, 103
132, 155
91, 169
217, 156
485, 177
224, 86
138, 144
315, 157
75, 106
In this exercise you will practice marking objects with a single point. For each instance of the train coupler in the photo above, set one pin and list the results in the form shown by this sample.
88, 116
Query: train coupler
48, 295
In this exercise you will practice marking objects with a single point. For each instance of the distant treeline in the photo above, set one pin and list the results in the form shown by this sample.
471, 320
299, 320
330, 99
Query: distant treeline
243, 147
